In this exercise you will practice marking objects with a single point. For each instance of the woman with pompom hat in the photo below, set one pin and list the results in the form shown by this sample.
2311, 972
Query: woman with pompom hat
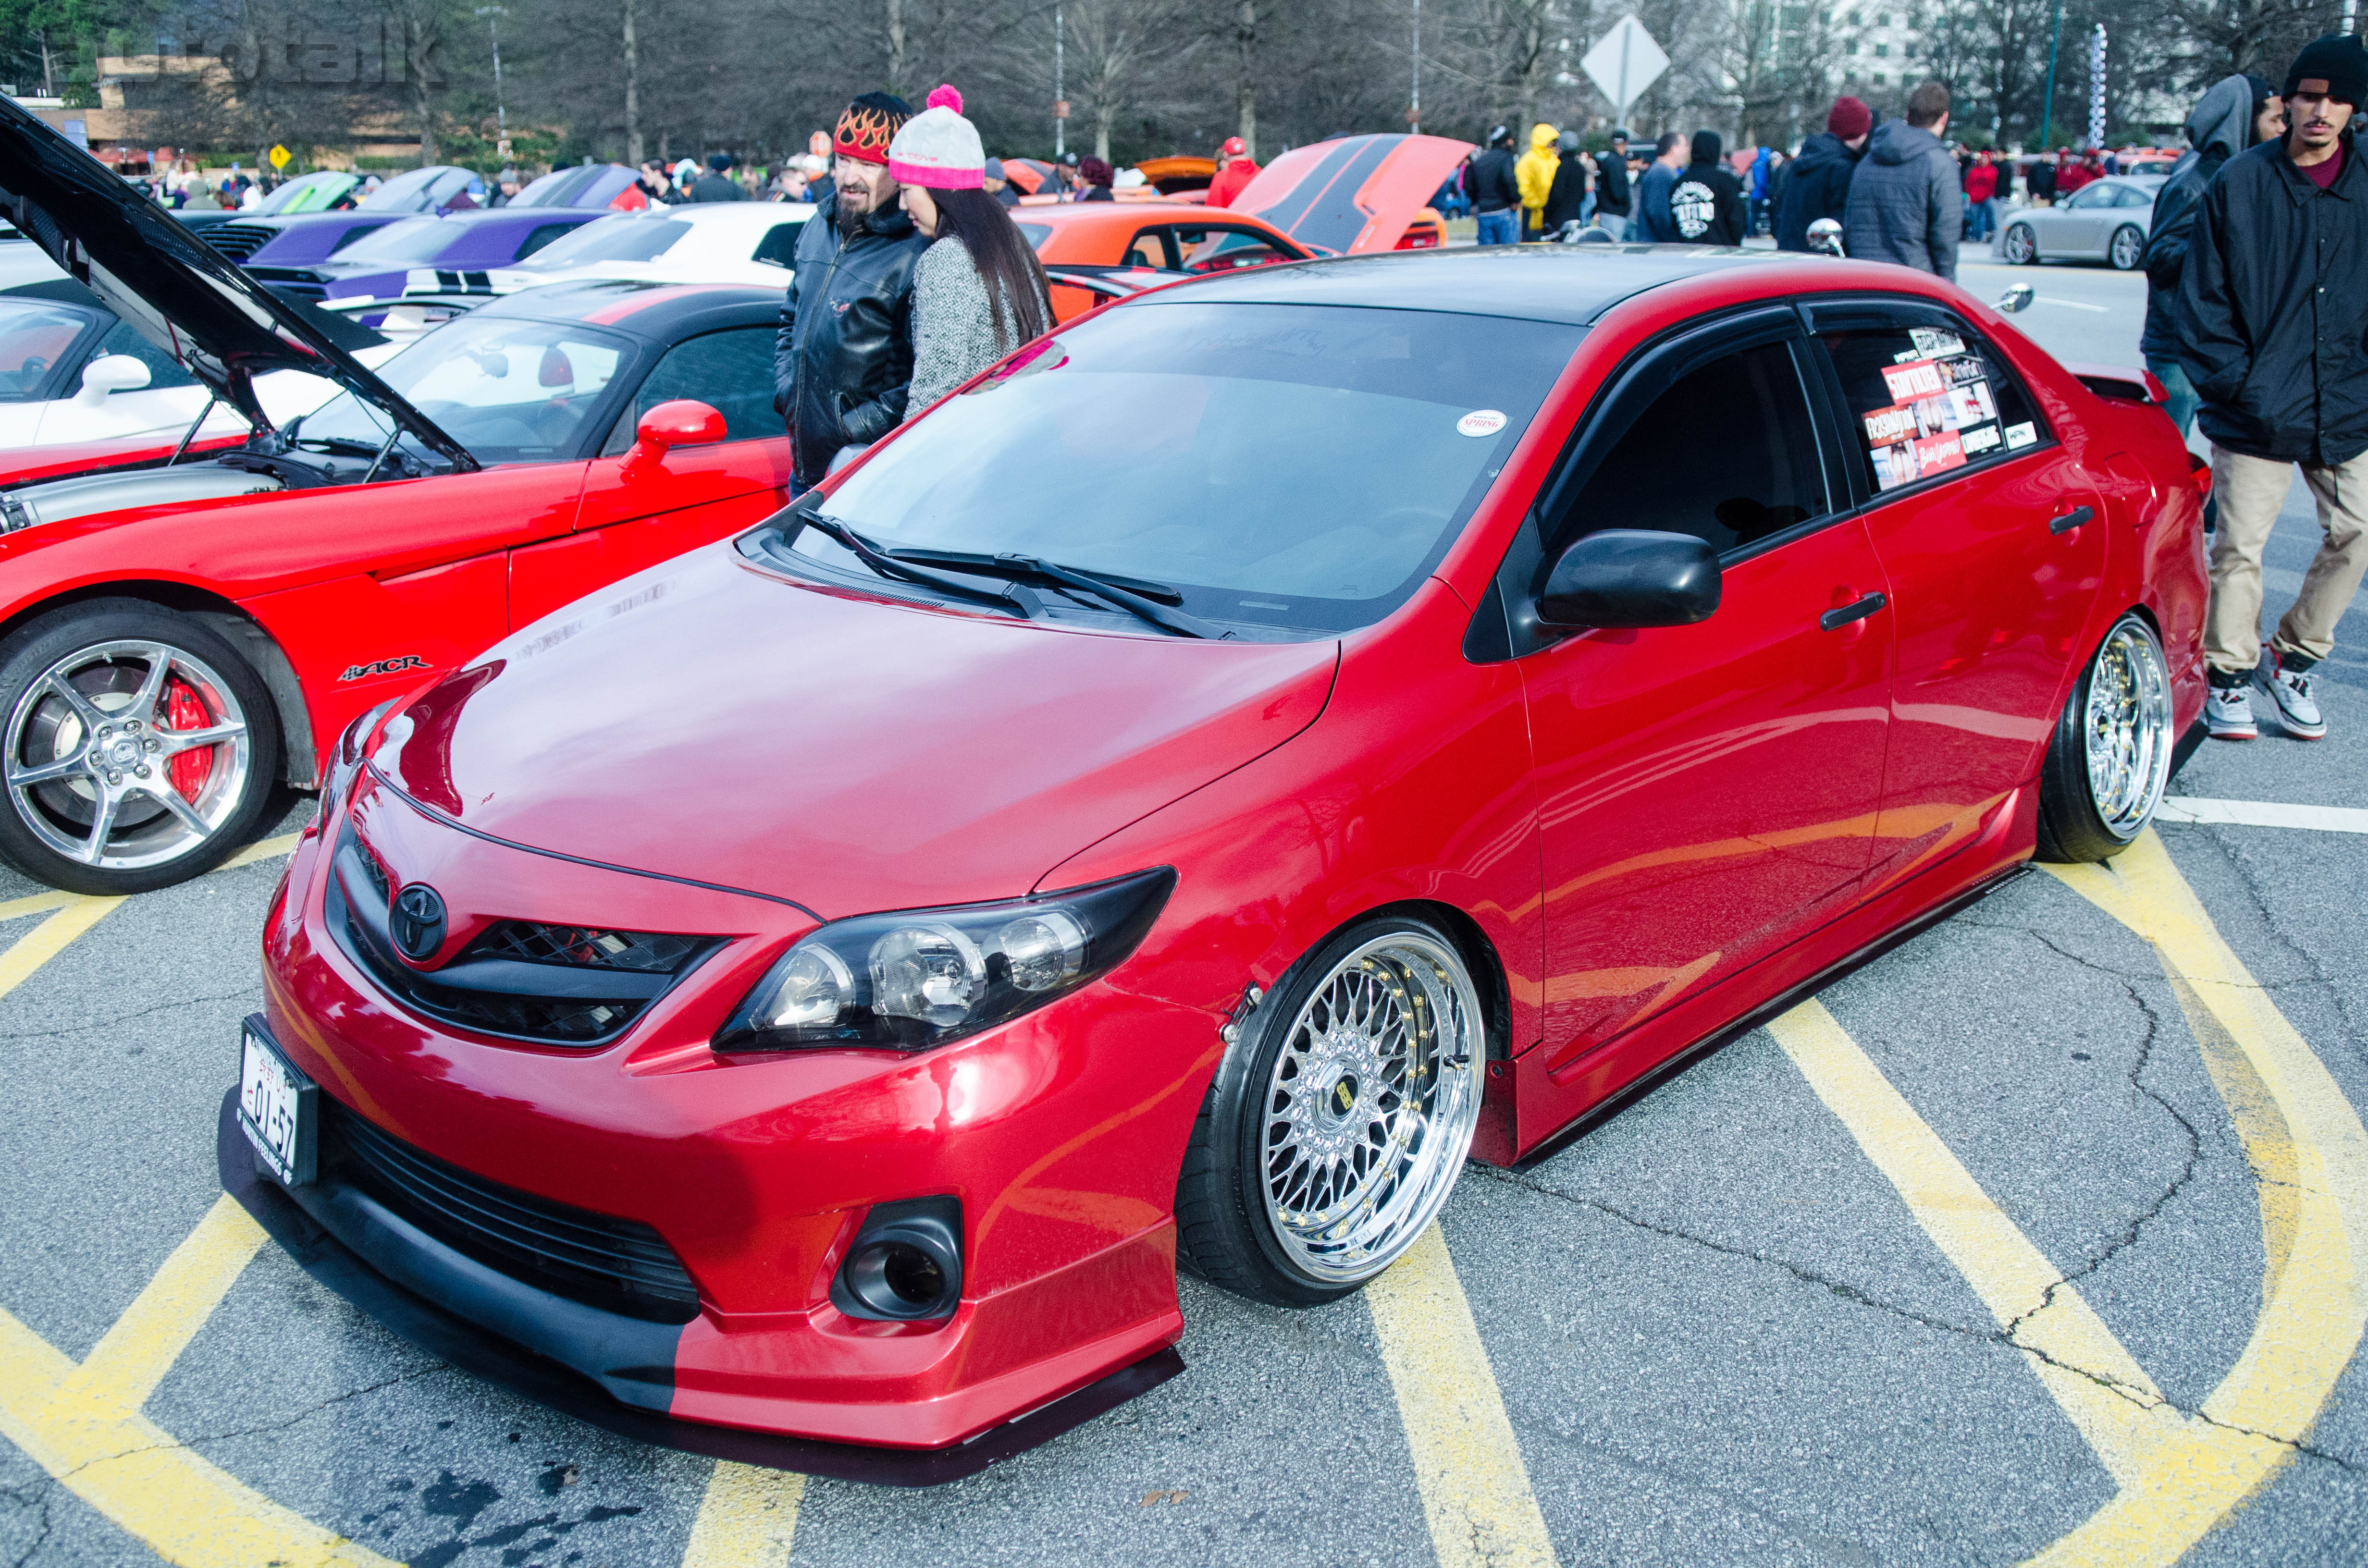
979, 292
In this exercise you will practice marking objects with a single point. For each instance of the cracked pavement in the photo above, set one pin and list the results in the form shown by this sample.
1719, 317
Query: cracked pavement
1720, 1335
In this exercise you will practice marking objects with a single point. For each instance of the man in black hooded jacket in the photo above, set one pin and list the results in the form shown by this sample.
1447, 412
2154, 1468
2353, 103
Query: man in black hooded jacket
843, 354
2237, 113
2272, 328
1706, 203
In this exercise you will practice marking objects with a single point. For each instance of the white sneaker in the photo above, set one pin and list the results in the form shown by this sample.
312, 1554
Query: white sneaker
2298, 712
2229, 712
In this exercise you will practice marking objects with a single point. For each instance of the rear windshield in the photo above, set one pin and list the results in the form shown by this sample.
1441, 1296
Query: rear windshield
1285, 468
613, 239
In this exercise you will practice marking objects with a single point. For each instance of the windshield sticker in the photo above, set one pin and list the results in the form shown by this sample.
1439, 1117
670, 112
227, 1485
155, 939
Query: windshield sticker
1918, 377
1979, 441
2021, 436
1932, 343
1480, 422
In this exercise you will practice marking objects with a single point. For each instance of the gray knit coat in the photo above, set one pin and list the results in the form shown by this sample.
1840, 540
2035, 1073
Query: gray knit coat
953, 335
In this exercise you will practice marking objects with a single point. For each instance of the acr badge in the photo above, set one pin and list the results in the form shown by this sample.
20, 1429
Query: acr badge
1480, 422
384, 667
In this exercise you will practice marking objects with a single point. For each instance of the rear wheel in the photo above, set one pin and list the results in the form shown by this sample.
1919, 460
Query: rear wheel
2127, 250
2111, 758
2021, 246
1339, 1118
139, 747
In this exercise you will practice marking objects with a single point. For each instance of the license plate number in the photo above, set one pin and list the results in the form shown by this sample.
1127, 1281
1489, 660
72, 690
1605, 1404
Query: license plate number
279, 1108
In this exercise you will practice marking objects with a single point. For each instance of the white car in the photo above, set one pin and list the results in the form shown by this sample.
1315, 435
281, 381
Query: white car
70, 371
721, 241
2106, 219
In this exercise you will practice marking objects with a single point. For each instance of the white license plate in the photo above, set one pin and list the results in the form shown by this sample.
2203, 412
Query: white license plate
279, 1108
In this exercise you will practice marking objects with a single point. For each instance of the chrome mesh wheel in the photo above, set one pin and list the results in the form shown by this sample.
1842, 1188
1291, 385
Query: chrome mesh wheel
127, 754
1370, 1107
2126, 729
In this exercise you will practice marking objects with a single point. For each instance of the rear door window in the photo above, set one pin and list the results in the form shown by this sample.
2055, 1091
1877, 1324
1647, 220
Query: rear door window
731, 372
1926, 401
1150, 248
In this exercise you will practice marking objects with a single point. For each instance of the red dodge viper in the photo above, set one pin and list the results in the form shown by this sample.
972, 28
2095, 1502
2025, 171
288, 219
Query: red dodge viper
178, 627
1372, 713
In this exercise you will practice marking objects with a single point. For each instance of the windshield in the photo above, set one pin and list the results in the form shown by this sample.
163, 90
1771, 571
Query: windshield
1294, 469
417, 191
413, 239
508, 391
311, 194
613, 239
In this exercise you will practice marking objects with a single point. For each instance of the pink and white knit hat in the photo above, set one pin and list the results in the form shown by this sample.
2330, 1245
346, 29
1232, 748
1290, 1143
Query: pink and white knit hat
939, 149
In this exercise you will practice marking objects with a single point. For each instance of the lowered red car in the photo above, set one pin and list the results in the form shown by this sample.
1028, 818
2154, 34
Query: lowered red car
178, 629
828, 983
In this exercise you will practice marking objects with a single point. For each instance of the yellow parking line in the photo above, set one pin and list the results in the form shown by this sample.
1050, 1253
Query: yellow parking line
44, 942
1467, 1463
83, 1424
36, 904
2316, 1284
268, 849
747, 1519
2104, 1392
124, 1367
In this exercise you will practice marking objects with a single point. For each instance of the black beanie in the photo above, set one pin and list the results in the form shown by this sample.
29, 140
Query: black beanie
2335, 65
1706, 146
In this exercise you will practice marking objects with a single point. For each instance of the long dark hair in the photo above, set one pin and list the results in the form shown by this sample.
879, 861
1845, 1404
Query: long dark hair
1007, 265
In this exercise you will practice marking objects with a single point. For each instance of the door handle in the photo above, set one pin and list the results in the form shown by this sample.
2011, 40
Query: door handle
1835, 620
2077, 517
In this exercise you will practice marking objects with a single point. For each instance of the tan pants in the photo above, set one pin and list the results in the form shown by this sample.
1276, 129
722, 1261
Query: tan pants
2251, 490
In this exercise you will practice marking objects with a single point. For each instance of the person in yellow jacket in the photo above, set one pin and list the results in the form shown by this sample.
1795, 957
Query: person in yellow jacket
1536, 175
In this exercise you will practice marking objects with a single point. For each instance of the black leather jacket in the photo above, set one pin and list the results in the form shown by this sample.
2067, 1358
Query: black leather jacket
842, 355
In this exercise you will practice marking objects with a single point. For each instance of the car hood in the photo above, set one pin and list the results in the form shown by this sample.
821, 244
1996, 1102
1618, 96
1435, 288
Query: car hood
172, 289
711, 721
1353, 194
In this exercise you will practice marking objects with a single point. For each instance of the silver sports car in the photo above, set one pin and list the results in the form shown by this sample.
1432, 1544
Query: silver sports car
2105, 219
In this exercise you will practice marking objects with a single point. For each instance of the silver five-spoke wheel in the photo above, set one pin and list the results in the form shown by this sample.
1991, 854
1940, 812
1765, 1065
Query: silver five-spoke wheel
126, 754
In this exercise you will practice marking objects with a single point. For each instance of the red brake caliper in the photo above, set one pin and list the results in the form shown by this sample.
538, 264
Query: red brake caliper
184, 710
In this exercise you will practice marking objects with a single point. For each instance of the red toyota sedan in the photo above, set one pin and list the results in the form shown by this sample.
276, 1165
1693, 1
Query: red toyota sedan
828, 983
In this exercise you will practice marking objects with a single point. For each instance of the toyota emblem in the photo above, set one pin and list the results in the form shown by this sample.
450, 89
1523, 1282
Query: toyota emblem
417, 922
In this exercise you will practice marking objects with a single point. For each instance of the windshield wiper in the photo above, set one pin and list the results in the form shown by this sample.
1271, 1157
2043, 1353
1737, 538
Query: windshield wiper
886, 566
1109, 592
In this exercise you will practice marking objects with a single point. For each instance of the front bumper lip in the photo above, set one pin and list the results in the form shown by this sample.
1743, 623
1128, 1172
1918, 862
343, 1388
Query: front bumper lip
611, 1371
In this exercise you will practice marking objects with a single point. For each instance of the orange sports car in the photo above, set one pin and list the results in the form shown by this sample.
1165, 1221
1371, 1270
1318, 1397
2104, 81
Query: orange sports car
1344, 196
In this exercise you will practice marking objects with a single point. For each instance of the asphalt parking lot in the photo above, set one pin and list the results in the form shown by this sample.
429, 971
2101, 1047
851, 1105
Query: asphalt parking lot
2042, 1237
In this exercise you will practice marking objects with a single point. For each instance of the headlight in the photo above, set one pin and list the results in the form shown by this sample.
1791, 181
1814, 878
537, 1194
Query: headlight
345, 758
922, 977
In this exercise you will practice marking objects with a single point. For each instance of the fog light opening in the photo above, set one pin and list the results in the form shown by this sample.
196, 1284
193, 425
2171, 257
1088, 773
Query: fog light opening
906, 1263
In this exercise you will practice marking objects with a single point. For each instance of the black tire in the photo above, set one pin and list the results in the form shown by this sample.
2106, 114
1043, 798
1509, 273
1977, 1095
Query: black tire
2030, 242
2135, 249
34, 818
1226, 1231
2075, 825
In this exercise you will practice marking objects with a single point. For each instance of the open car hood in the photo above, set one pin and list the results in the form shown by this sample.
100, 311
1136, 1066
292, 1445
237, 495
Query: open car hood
221, 325
1353, 194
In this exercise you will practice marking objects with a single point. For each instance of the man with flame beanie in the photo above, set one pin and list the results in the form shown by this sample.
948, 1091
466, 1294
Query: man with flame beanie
842, 355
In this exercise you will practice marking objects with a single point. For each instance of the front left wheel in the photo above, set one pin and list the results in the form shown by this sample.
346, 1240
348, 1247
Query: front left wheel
2127, 250
2109, 759
1338, 1119
138, 750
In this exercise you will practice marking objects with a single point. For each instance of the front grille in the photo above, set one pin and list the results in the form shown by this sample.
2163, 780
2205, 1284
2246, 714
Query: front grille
574, 985
238, 240
619, 1265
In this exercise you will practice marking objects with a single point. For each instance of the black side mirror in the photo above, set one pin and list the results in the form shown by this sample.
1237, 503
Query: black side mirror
1628, 577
